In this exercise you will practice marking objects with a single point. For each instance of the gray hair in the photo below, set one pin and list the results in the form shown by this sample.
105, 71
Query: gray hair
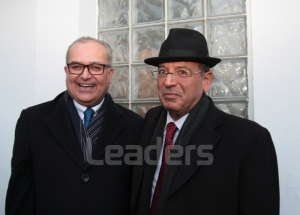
204, 68
89, 39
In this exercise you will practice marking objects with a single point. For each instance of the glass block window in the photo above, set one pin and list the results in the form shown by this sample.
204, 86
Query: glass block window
135, 29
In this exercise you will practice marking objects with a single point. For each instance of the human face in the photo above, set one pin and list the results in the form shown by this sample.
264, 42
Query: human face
86, 89
179, 95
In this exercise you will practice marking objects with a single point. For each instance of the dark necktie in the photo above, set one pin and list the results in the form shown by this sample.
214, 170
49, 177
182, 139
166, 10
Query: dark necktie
88, 114
86, 145
171, 129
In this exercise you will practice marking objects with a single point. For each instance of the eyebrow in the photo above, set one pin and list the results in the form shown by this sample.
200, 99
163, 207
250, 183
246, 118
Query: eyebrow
183, 67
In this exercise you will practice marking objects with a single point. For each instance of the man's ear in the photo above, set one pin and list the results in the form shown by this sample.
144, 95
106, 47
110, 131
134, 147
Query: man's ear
66, 70
111, 72
207, 79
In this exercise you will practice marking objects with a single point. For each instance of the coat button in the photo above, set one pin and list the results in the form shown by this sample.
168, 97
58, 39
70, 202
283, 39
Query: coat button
85, 178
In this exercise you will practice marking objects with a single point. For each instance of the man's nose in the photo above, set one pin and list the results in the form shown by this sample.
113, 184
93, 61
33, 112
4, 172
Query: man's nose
85, 74
170, 80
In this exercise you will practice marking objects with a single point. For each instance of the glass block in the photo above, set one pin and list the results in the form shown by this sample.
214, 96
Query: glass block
119, 87
141, 109
143, 84
113, 13
185, 9
236, 108
197, 26
118, 41
227, 37
223, 7
230, 79
147, 11
147, 42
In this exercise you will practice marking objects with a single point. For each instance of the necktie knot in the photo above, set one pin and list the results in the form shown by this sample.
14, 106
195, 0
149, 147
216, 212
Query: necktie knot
171, 129
88, 114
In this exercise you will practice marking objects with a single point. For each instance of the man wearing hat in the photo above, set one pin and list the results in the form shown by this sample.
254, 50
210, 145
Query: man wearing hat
219, 163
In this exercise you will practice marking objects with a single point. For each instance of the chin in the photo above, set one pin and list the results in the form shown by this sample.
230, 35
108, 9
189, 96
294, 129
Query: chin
169, 106
85, 101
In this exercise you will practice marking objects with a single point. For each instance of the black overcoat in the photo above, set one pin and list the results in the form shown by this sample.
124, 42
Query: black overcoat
242, 179
49, 175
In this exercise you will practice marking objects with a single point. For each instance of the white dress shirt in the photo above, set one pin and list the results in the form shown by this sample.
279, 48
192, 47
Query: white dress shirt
179, 124
80, 108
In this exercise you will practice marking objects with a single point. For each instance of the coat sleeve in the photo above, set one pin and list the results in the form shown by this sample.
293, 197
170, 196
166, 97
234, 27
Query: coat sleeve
259, 182
20, 197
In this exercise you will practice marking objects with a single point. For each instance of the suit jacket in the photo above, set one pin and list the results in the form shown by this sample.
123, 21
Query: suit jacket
242, 179
49, 175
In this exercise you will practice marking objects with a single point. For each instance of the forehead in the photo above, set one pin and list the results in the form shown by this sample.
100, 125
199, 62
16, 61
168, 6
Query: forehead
179, 64
89, 51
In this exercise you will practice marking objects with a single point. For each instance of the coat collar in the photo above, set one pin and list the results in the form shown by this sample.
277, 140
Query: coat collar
206, 138
112, 127
152, 117
61, 126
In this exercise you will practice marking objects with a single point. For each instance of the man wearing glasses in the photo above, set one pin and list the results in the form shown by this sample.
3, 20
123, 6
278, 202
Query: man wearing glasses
59, 163
208, 162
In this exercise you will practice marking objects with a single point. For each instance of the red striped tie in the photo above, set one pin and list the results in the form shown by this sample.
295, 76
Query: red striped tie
171, 129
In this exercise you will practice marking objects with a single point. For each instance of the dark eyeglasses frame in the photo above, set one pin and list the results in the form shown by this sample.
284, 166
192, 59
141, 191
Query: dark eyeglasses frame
156, 75
87, 66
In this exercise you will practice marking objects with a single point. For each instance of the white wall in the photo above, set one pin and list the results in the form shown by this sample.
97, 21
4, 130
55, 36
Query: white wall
56, 28
276, 78
36, 33
17, 74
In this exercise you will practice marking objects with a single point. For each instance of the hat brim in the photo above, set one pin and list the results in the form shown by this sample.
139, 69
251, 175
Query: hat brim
209, 61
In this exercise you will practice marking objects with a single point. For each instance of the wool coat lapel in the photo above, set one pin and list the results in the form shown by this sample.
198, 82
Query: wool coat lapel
139, 170
150, 168
205, 137
111, 127
61, 126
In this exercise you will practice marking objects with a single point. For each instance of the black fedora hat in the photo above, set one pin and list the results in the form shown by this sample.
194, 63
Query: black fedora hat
183, 45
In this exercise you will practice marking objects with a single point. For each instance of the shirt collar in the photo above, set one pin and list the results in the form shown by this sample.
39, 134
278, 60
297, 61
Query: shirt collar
178, 123
80, 108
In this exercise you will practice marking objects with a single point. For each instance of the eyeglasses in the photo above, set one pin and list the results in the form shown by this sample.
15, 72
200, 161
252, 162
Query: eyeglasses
94, 68
181, 73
